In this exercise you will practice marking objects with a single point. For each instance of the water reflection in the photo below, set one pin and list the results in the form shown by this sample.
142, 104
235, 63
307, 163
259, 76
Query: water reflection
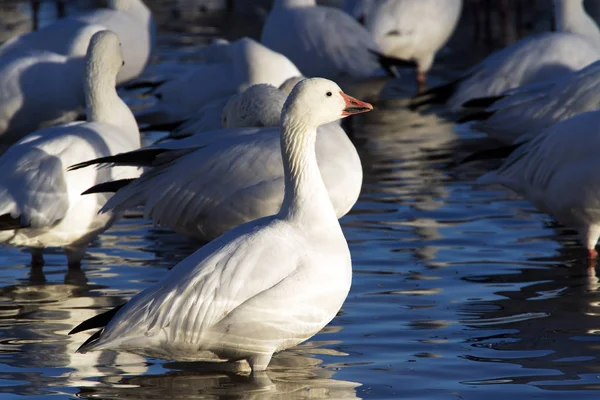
547, 321
291, 375
37, 353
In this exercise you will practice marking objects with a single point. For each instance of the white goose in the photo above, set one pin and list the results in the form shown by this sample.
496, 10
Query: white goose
130, 19
238, 65
533, 59
322, 41
40, 202
209, 183
38, 90
258, 106
521, 113
262, 287
559, 172
413, 29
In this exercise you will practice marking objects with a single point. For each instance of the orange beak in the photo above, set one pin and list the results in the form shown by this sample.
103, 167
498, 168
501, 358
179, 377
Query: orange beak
354, 106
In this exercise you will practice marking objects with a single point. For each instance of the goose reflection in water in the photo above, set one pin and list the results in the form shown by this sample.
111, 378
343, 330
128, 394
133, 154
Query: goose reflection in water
291, 374
35, 317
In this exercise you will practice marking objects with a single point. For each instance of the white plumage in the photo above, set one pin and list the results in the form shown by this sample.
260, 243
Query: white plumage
559, 172
230, 69
413, 29
130, 19
264, 286
533, 59
212, 182
40, 202
321, 41
523, 112
258, 106
37, 90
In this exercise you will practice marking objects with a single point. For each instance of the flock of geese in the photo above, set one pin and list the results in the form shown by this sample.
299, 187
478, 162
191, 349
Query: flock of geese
259, 165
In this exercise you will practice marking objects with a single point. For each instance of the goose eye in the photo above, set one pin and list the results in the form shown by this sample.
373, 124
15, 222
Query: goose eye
328, 94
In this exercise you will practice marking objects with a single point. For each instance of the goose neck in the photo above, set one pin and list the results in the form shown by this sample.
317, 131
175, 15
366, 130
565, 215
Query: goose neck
568, 14
102, 102
305, 197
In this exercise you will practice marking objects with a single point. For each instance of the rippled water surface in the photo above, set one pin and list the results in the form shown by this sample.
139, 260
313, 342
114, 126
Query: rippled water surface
460, 291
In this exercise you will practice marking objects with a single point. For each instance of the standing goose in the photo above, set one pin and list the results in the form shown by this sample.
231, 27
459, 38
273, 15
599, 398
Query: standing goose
323, 41
130, 19
559, 172
533, 59
40, 202
209, 183
262, 287
413, 29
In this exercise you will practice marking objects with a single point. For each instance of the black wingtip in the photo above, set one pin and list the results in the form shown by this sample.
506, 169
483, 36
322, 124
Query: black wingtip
108, 187
143, 85
89, 340
136, 158
475, 116
97, 321
9, 223
491, 154
88, 163
162, 127
482, 102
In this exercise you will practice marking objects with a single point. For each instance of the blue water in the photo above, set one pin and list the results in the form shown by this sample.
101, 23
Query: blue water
460, 291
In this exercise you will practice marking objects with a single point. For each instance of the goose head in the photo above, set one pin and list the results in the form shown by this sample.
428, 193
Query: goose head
318, 101
259, 105
104, 56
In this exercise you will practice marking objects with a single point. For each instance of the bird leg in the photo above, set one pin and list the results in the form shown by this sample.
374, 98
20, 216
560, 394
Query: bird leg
421, 82
35, 10
592, 254
37, 258
259, 362
75, 255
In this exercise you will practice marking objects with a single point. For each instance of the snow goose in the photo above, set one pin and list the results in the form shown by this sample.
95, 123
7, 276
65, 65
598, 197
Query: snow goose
523, 112
130, 19
38, 90
40, 202
530, 60
558, 171
246, 63
323, 41
258, 106
413, 29
209, 183
262, 287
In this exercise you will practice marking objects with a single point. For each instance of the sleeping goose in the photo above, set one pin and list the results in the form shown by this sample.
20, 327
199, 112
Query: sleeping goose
521, 113
234, 68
